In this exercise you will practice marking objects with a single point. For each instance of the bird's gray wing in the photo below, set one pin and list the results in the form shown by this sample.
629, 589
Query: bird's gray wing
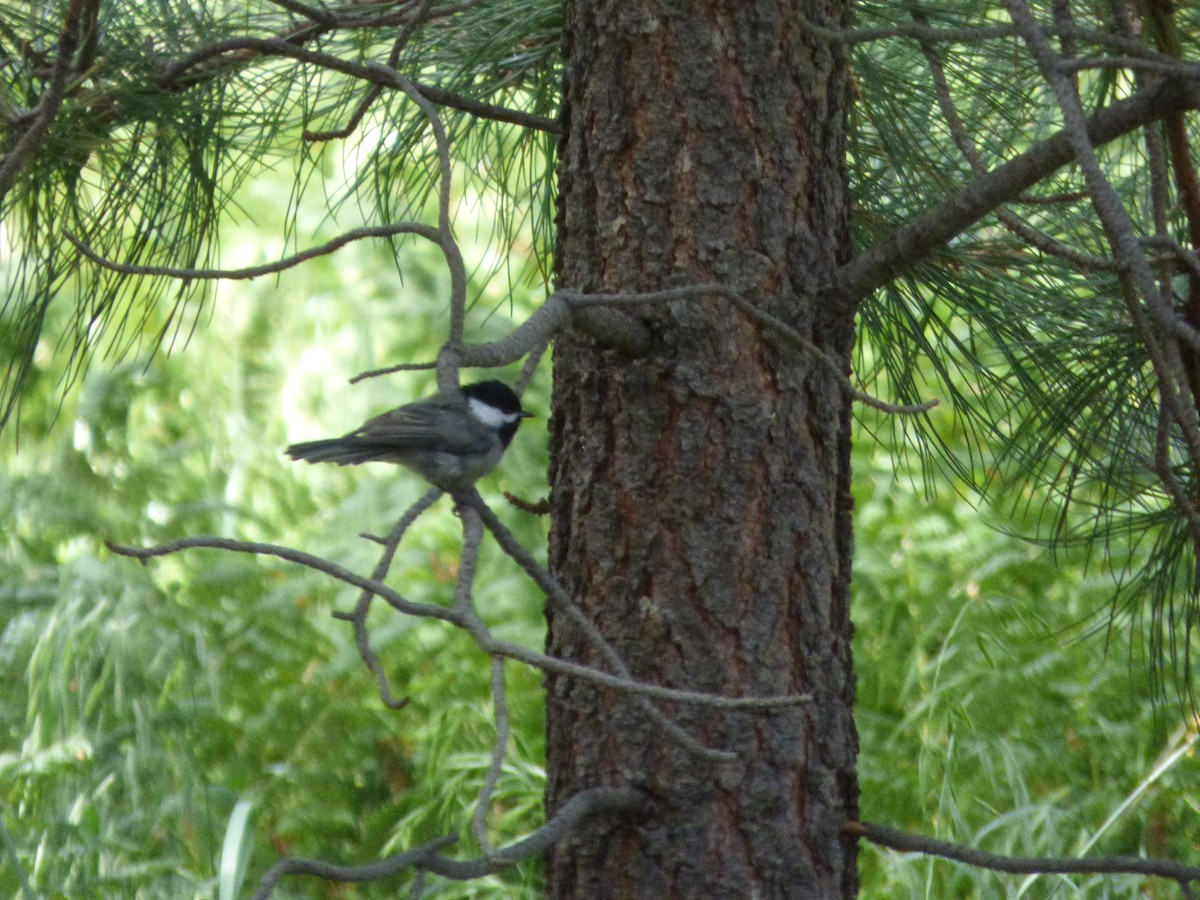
437, 423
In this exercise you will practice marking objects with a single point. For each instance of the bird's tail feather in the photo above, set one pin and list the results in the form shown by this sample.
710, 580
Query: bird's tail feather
335, 450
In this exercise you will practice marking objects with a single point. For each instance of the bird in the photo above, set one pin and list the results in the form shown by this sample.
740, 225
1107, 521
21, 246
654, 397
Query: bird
451, 439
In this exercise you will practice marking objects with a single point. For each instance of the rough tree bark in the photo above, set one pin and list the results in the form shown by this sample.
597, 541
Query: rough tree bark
701, 503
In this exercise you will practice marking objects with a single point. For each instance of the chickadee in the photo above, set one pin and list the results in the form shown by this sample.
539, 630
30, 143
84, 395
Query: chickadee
451, 439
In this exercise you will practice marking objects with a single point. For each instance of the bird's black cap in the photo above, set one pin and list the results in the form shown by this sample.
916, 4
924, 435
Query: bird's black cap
497, 394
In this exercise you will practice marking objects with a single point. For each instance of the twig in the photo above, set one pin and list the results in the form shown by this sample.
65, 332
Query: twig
364, 106
482, 110
389, 370
1063, 25
538, 508
316, 563
926, 33
335, 19
537, 329
971, 34
1161, 24
357, 234
1183, 254
358, 616
472, 508
316, 14
1172, 68
374, 91
587, 804
564, 604
568, 305
529, 368
499, 748
464, 603
1161, 201
448, 361
1024, 865
773, 323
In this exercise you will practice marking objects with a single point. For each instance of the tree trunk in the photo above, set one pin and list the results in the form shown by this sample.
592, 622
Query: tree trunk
701, 493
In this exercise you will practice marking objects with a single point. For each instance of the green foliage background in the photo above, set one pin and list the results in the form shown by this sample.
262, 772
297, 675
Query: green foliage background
994, 707
143, 704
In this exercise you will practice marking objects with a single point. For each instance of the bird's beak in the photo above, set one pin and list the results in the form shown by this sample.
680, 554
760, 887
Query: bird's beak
525, 414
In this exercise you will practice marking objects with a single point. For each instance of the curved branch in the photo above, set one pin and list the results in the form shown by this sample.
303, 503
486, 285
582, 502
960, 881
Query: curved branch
377, 871
357, 234
1023, 865
586, 805
1150, 312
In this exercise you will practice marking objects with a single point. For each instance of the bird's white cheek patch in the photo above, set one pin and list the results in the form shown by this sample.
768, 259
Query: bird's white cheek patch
489, 415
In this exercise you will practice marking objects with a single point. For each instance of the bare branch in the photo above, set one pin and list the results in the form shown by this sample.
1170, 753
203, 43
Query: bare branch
537, 329
390, 370
316, 563
470, 507
363, 107
572, 306
357, 234
377, 871
374, 91
447, 373
529, 368
601, 801
564, 604
491, 645
410, 14
921, 31
482, 110
316, 14
774, 324
1187, 257
1024, 865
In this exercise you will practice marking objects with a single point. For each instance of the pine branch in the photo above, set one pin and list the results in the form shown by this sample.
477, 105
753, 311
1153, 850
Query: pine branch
924, 236
185, 71
38, 124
